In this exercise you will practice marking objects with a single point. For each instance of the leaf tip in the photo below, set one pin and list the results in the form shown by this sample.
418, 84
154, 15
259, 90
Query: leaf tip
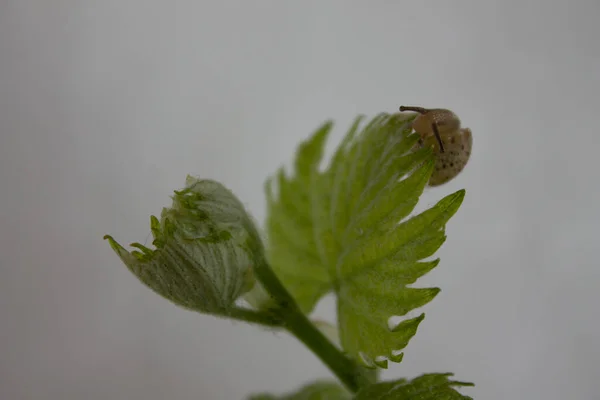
397, 358
114, 244
460, 195
381, 363
409, 324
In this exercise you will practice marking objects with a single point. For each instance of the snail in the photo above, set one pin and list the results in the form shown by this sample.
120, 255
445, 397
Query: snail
441, 129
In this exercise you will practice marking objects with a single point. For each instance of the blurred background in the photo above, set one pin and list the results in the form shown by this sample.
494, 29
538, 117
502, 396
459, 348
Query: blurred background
105, 106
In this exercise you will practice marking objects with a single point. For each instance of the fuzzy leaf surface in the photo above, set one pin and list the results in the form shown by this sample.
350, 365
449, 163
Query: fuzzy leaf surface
205, 247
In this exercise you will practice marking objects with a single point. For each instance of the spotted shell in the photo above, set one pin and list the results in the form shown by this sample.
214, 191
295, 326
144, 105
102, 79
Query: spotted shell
452, 161
457, 142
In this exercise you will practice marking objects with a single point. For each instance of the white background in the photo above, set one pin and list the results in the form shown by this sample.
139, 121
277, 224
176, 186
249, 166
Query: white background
105, 107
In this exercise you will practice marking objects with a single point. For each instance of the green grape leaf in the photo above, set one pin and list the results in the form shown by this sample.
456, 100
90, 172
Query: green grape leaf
292, 249
349, 229
374, 272
425, 387
320, 390
206, 245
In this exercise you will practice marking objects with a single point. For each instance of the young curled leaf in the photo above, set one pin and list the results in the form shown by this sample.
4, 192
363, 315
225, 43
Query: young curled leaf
205, 247
424, 387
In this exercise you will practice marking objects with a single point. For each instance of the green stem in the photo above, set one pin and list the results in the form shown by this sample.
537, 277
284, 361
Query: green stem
254, 317
348, 372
